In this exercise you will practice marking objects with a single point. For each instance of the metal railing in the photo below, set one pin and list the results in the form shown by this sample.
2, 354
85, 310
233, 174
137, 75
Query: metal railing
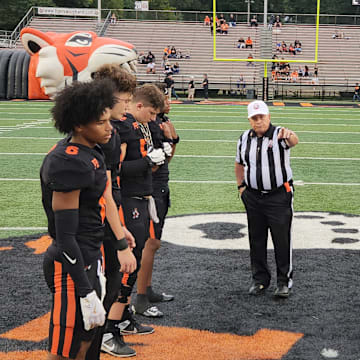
104, 25
23, 23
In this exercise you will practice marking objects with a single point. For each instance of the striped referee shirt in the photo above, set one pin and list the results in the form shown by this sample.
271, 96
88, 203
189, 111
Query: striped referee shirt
266, 159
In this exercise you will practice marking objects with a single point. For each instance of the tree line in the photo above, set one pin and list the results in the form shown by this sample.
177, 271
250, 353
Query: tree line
11, 12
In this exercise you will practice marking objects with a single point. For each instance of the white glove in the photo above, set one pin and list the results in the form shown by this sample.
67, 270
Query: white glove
152, 210
167, 149
157, 156
92, 310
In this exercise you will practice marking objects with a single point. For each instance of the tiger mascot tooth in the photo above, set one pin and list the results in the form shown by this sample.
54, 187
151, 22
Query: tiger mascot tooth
58, 59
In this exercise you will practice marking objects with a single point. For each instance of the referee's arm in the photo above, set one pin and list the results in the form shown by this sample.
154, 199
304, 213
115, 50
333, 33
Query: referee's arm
239, 173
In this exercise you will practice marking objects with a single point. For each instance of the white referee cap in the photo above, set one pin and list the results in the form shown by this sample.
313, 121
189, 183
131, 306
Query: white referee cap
257, 107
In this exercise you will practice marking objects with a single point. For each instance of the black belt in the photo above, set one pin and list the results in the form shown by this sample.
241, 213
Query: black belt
285, 186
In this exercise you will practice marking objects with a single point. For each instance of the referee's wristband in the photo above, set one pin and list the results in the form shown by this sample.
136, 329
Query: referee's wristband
175, 141
121, 244
241, 186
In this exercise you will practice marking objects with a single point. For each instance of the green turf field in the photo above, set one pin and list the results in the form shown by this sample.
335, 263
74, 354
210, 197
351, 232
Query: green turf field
326, 163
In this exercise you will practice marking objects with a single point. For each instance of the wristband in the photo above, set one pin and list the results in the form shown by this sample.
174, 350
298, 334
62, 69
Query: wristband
121, 244
241, 185
175, 141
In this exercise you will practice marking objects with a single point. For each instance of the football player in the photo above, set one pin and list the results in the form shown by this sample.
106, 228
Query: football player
164, 136
73, 183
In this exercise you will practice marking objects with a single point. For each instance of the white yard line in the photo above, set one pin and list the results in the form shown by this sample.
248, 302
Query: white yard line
206, 156
299, 182
186, 140
243, 122
298, 131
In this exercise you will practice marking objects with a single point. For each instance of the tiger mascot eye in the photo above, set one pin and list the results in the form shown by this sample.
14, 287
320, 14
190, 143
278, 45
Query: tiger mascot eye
58, 59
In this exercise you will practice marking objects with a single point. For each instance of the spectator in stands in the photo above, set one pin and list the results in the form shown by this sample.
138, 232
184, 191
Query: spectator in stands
232, 21
167, 50
306, 73
187, 54
273, 64
271, 21
292, 49
150, 57
206, 21
284, 47
142, 58
150, 68
191, 89
221, 19
113, 18
248, 43
167, 68
211, 25
224, 28
253, 21
278, 23
172, 52
218, 28
179, 54
250, 63
294, 76
301, 72
338, 35
316, 70
279, 47
297, 45
205, 85
175, 68
241, 43
356, 92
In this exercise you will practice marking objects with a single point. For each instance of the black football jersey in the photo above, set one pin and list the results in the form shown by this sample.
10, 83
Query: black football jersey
68, 167
112, 153
135, 171
160, 177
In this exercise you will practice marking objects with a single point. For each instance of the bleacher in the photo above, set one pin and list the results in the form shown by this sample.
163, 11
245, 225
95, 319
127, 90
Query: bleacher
338, 58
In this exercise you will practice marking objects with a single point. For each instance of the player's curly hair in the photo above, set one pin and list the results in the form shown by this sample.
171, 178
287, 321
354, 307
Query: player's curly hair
123, 80
149, 95
82, 103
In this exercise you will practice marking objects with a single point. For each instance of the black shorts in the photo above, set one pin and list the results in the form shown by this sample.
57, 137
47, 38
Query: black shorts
66, 330
137, 221
162, 201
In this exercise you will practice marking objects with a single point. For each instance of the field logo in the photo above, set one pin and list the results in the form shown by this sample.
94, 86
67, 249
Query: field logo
310, 230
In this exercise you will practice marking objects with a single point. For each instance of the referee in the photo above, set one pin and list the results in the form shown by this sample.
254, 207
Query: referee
264, 179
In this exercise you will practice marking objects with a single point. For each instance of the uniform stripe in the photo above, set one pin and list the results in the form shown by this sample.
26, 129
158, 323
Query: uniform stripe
121, 215
70, 316
152, 230
57, 307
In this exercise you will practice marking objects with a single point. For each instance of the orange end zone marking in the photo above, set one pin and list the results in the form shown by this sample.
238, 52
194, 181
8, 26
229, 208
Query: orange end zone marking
278, 104
306, 104
4, 248
35, 330
40, 245
178, 343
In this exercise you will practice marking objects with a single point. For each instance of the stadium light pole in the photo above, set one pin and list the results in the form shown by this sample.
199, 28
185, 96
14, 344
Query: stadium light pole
99, 11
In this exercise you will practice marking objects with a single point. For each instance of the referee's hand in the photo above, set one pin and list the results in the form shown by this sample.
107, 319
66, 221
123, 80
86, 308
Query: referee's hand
285, 133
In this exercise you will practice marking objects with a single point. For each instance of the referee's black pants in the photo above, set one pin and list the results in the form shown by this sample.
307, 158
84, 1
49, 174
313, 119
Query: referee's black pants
272, 211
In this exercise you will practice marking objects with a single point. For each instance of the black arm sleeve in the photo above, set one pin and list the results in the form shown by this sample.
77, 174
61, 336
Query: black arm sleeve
66, 224
134, 167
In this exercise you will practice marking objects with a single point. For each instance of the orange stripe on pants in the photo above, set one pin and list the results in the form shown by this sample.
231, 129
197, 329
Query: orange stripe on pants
57, 307
70, 316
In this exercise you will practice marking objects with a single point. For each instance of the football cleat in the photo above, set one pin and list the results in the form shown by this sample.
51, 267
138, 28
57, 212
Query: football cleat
132, 327
115, 345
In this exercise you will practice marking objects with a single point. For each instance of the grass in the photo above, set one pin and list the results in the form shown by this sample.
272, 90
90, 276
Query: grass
202, 175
